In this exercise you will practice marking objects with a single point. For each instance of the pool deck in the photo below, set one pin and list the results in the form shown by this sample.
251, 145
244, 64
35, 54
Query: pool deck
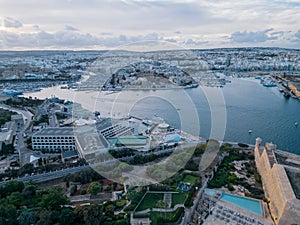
223, 212
238, 213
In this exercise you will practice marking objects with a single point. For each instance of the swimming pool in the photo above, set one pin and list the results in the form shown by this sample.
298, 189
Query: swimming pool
249, 204
209, 191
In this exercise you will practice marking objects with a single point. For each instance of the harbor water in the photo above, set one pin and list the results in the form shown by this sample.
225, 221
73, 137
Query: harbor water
245, 103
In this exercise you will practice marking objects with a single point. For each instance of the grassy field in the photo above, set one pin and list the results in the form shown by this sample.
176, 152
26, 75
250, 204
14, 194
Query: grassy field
158, 218
179, 198
150, 201
190, 179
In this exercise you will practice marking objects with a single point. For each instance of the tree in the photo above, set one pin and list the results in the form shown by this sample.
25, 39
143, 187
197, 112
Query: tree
45, 218
90, 215
8, 214
27, 218
54, 199
40, 161
94, 188
15, 199
73, 190
29, 191
27, 169
13, 186
83, 192
66, 216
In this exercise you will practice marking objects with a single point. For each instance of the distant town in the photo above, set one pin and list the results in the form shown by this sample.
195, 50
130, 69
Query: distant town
114, 70
61, 167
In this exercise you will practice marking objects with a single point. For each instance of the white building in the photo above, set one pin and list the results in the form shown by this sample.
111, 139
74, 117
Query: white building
54, 139
7, 133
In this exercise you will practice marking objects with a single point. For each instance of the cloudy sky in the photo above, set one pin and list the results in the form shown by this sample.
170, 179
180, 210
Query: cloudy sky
111, 24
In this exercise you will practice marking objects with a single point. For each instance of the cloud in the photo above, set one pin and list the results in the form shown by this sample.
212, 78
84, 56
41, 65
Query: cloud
69, 39
297, 35
36, 27
252, 37
118, 22
106, 33
71, 28
9, 22
190, 41
277, 33
131, 16
288, 3
172, 40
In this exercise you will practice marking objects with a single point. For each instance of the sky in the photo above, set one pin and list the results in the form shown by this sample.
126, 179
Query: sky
113, 24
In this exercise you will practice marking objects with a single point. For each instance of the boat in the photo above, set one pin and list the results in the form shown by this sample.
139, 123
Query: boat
250, 131
269, 84
286, 94
296, 124
111, 92
12, 92
37, 89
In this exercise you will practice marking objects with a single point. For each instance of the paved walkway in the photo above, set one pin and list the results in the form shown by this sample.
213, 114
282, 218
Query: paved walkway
168, 199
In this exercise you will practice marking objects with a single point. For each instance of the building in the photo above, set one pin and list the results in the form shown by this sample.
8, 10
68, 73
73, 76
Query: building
284, 206
7, 133
134, 141
90, 143
67, 156
54, 139
116, 130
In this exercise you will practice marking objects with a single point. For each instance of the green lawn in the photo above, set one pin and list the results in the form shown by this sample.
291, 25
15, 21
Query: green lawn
158, 218
150, 201
179, 198
190, 179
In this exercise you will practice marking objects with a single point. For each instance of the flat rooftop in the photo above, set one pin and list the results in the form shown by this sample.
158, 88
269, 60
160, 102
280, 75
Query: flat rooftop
104, 123
55, 131
4, 136
69, 154
89, 140
128, 140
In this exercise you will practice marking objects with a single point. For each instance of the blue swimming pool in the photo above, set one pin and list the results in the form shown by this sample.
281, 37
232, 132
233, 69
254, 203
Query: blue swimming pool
249, 204
209, 191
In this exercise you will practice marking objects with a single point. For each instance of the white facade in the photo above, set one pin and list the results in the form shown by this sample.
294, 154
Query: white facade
54, 139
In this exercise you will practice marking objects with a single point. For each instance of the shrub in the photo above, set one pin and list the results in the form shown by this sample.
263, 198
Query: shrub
242, 145
230, 187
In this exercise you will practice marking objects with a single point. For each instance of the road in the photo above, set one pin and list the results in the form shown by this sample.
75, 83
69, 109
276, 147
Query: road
52, 110
53, 122
50, 176
27, 117
26, 114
